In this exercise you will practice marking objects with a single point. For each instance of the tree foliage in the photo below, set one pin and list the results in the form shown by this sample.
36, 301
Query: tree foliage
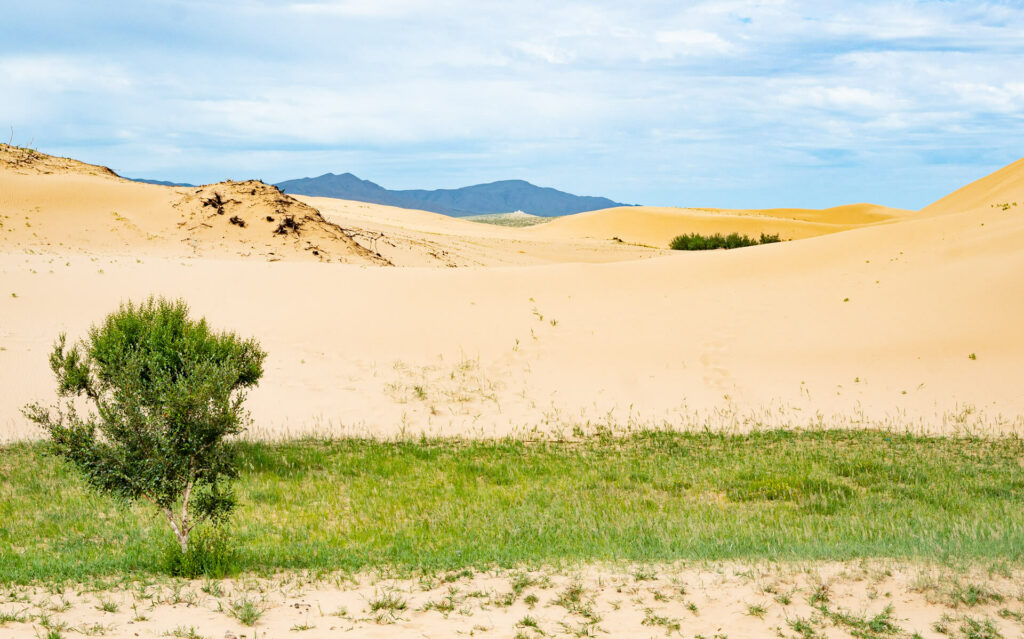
164, 392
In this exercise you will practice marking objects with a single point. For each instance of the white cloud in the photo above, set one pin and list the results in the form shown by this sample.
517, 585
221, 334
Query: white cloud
1002, 98
693, 42
361, 8
574, 86
842, 98
61, 73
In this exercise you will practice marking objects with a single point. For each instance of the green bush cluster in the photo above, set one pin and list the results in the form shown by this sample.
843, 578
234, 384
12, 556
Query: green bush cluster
698, 242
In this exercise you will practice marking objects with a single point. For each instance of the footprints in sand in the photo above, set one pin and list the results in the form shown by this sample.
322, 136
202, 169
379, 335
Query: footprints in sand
712, 358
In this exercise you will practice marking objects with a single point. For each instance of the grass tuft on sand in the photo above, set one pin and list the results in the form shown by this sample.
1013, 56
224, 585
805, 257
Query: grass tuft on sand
443, 504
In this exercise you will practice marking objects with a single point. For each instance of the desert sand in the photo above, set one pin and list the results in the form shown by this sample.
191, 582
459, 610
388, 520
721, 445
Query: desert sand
656, 226
382, 321
725, 600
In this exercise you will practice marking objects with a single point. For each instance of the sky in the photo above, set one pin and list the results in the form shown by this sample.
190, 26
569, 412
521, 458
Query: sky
733, 103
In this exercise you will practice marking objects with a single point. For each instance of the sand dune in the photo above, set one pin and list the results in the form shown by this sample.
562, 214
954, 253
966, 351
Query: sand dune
912, 322
53, 205
999, 190
421, 238
56, 205
654, 226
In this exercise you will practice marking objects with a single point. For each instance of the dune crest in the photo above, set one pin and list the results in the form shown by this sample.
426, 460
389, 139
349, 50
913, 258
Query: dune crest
57, 204
27, 161
1003, 188
260, 217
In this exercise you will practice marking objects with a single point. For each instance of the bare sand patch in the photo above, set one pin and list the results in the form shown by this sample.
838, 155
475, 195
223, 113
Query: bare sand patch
656, 226
709, 600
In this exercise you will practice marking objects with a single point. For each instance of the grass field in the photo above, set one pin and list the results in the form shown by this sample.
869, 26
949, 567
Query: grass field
444, 504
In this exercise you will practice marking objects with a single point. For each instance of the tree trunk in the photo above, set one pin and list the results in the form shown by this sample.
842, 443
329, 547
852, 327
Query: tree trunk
182, 526
179, 530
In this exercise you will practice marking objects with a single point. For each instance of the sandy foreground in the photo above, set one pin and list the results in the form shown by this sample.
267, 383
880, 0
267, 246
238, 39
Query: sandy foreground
903, 319
728, 600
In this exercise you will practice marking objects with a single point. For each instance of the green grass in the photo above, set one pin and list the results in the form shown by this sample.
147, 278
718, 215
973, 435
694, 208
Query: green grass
246, 611
448, 504
698, 242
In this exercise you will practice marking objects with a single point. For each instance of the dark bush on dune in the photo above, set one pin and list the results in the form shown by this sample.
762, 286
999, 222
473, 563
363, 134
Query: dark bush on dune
698, 242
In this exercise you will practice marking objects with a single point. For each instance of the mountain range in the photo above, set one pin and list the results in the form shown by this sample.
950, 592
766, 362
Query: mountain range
505, 196
160, 182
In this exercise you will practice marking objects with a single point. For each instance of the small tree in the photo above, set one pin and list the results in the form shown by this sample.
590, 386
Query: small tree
166, 391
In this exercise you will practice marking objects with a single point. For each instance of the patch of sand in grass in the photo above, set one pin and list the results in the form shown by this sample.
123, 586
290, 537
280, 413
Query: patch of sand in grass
887, 598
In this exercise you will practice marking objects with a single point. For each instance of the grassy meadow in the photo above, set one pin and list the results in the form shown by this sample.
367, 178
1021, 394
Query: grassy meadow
356, 504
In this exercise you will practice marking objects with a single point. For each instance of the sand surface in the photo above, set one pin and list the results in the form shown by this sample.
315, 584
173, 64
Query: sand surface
737, 601
656, 226
898, 318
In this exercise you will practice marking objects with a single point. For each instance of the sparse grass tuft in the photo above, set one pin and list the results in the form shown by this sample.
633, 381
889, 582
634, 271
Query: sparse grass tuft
805, 628
570, 597
387, 602
669, 624
13, 617
971, 595
880, 625
184, 632
820, 595
644, 574
971, 628
246, 611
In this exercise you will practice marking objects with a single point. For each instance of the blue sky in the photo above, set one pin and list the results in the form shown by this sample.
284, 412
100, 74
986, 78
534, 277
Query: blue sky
731, 103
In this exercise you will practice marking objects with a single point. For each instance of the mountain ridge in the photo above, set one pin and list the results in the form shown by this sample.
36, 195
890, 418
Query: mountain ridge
159, 182
502, 196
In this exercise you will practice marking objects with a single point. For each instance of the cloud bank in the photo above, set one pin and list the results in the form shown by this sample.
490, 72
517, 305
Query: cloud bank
730, 103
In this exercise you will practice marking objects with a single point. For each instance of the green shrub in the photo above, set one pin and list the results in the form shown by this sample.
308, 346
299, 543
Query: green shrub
209, 554
167, 392
698, 242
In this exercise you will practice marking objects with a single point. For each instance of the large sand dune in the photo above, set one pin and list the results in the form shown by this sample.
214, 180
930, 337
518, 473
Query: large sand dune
54, 205
420, 238
1003, 189
654, 226
873, 324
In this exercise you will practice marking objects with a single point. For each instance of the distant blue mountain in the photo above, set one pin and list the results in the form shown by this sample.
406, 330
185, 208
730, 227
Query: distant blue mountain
160, 182
496, 197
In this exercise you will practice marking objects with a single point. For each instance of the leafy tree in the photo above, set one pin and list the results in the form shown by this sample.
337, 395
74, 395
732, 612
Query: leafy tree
164, 393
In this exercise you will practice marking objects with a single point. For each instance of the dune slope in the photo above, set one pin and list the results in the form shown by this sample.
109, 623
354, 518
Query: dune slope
655, 226
1003, 188
408, 237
